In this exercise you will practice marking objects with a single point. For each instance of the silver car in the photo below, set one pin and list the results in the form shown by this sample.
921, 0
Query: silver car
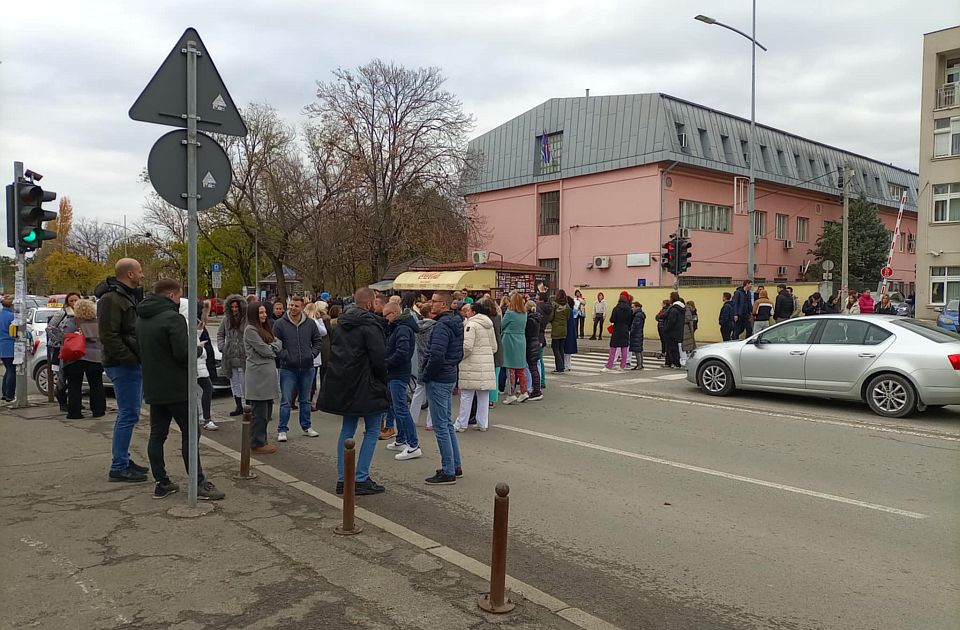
897, 365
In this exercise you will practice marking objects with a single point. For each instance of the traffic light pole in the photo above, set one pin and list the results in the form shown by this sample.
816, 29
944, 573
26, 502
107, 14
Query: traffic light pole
191, 195
19, 301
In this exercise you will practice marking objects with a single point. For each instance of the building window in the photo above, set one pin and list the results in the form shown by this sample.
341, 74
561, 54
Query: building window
727, 149
745, 151
549, 152
896, 191
705, 148
759, 225
946, 137
782, 227
765, 154
682, 137
901, 242
705, 216
946, 202
550, 213
953, 71
813, 170
944, 284
784, 169
911, 243
554, 265
796, 161
803, 229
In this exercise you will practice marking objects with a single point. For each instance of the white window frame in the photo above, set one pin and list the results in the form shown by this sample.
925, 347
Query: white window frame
949, 278
803, 229
896, 191
952, 67
782, 221
946, 137
945, 196
706, 217
759, 225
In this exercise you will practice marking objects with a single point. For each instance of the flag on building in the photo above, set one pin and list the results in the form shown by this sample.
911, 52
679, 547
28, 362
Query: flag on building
544, 148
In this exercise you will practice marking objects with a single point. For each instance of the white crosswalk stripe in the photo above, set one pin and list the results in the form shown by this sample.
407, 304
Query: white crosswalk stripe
594, 363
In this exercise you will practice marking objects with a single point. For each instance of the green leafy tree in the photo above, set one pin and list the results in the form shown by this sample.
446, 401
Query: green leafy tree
65, 271
869, 243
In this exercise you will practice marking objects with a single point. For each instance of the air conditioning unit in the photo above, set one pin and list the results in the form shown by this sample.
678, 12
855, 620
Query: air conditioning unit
601, 262
788, 244
682, 137
782, 270
479, 257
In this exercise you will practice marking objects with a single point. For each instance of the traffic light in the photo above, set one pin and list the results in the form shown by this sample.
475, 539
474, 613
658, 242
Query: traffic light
684, 255
26, 216
668, 258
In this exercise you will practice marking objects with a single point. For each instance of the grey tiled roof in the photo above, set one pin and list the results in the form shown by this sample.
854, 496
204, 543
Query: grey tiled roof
603, 133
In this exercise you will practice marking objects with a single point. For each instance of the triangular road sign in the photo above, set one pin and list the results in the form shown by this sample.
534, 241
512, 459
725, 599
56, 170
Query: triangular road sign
164, 100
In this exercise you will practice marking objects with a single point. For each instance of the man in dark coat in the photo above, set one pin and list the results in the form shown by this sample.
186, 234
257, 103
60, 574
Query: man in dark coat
620, 319
743, 309
356, 385
673, 329
440, 371
401, 343
301, 341
783, 308
726, 317
167, 350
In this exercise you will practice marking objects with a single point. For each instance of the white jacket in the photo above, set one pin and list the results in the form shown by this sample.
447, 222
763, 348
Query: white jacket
323, 333
202, 371
477, 369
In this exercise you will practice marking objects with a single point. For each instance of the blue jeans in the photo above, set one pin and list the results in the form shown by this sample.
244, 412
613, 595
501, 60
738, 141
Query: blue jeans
439, 395
406, 430
292, 380
9, 379
371, 434
128, 389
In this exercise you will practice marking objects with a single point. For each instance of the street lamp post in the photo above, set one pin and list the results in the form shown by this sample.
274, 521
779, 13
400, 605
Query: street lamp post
126, 233
751, 188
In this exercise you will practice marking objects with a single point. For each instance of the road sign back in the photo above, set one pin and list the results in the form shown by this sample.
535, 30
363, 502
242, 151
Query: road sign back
167, 167
164, 99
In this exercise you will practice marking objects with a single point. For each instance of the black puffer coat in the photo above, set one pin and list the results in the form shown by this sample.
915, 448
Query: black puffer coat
532, 332
621, 318
356, 380
675, 320
636, 331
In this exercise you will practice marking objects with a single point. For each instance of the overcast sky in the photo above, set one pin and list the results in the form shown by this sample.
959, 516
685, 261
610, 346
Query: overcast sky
843, 73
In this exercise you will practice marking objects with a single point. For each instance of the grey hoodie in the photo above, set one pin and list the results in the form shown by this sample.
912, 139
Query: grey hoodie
423, 344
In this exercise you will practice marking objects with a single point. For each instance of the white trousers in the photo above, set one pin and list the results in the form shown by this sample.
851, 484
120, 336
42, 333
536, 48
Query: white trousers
236, 382
483, 408
419, 395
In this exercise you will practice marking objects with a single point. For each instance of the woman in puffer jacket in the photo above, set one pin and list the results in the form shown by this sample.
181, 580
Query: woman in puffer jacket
534, 348
477, 374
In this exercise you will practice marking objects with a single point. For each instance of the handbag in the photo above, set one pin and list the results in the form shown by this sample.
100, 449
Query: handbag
74, 347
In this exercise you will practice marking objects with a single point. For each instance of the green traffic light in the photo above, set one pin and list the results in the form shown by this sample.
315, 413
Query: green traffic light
31, 237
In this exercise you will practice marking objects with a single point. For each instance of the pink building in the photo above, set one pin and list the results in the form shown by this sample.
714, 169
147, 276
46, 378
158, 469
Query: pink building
592, 187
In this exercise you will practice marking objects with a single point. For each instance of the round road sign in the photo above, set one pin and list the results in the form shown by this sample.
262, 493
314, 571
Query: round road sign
827, 265
167, 166
886, 272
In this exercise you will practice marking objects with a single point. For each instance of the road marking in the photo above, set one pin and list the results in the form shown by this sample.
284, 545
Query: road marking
718, 473
672, 377
623, 381
593, 387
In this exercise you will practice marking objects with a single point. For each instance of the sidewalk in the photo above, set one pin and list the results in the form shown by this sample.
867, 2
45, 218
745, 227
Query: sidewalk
80, 552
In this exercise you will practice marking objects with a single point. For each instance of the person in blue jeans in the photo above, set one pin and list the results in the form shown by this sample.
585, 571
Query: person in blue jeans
116, 320
401, 341
440, 376
355, 386
6, 352
301, 341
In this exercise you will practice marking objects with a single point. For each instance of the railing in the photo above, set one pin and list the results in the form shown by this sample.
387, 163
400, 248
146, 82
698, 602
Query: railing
948, 95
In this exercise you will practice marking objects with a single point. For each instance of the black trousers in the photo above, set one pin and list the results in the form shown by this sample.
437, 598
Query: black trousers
581, 324
534, 366
74, 373
557, 345
742, 324
726, 332
206, 395
597, 325
262, 412
160, 417
672, 351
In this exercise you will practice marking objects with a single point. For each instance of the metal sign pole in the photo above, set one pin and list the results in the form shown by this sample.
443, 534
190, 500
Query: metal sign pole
19, 297
192, 54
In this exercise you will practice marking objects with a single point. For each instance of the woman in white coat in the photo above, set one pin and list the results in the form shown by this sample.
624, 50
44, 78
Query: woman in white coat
477, 373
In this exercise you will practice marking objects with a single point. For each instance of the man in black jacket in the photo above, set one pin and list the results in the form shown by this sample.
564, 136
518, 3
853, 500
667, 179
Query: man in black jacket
301, 341
356, 385
676, 315
167, 350
783, 308
116, 321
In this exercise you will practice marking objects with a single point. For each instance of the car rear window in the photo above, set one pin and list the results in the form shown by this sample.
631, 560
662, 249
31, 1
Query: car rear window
927, 331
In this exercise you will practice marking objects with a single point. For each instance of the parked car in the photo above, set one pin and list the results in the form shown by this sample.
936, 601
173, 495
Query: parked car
948, 317
895, 364
36, 320
216, 306
37, 369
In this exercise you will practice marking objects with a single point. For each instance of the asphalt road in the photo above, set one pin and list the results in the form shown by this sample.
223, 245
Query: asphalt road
653, 506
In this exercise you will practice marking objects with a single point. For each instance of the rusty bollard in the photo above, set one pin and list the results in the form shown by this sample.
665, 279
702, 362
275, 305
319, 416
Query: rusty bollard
245, 446
495, 601
349, 525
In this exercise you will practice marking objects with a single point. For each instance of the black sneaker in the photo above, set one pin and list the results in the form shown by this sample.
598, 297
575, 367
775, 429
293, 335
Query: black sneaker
206, 491
441, 479
128, 474
137, 467
339, 487
368, 487
458, 471
164, 489
472, 421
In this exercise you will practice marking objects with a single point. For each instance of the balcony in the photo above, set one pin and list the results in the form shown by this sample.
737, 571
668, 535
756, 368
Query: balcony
948, 96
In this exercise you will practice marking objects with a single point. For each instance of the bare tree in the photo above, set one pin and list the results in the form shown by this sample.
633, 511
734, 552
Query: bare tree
93, 239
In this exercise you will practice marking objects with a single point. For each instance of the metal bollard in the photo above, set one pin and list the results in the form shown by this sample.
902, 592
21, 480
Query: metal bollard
495, 601
349, 526
245, 446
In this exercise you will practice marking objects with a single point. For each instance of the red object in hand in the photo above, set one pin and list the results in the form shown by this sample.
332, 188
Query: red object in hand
610, 329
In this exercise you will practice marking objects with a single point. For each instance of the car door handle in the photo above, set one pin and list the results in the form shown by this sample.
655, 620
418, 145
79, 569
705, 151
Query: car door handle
798, 353
866, 355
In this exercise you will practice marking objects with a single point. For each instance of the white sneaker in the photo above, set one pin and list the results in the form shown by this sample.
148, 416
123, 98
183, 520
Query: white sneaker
282, 436
459, 429
606, 369
211, 426
311, 433
509, 400
393, 446
408, 453
522, 397
481, 429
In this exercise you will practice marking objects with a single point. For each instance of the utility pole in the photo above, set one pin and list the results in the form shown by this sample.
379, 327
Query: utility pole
19, 304
845, 261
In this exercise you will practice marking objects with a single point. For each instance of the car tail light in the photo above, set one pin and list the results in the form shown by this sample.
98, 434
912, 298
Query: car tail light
954, 360
36, 346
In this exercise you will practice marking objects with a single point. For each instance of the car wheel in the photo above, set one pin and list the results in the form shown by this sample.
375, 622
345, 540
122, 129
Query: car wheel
891, 396
715, 378
40, 378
